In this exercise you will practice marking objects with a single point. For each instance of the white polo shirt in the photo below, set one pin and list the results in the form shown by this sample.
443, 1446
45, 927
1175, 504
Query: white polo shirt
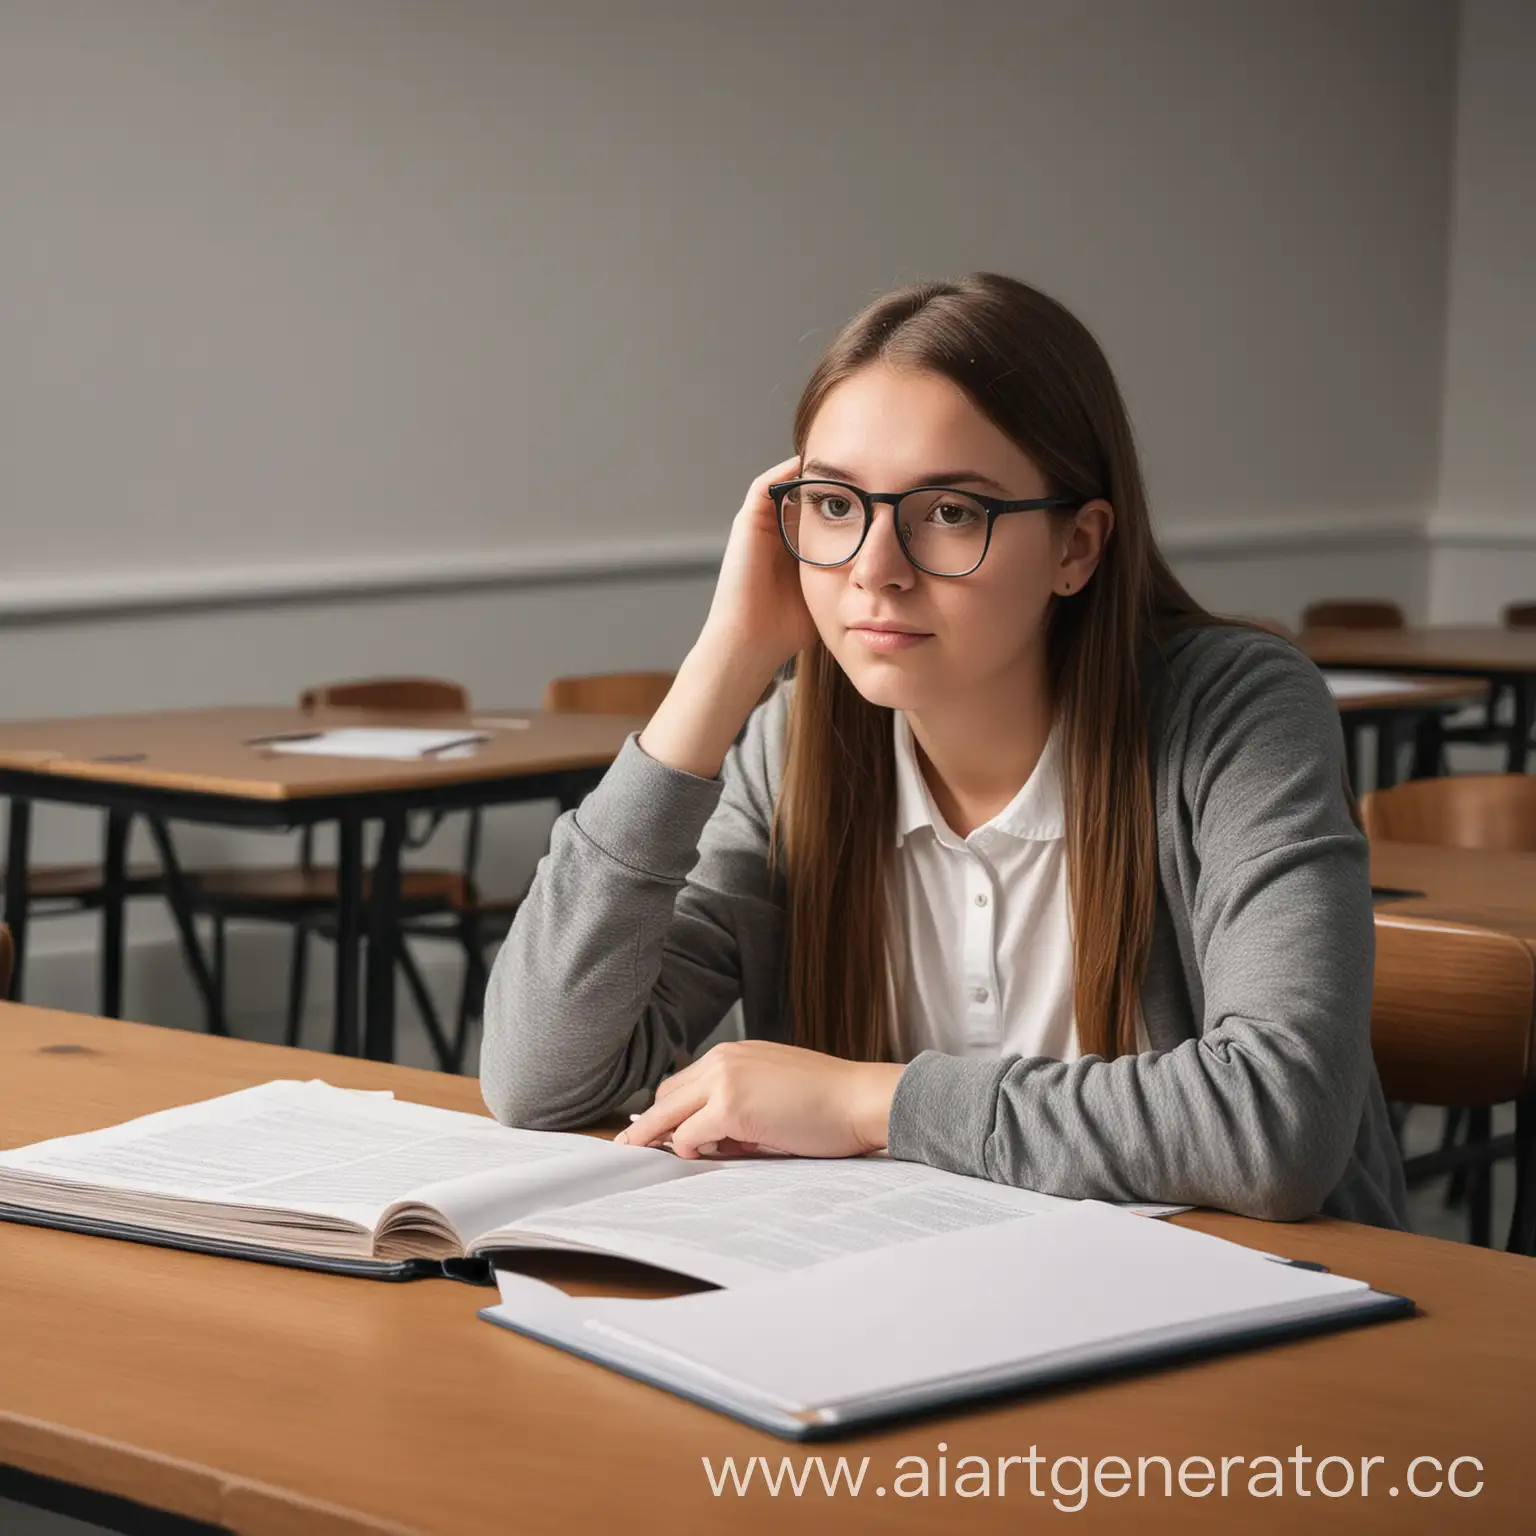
988, 933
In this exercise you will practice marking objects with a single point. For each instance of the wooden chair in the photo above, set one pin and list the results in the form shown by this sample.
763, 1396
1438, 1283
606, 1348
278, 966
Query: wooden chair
608, 693
304, 896
1352, 613
1520, 616
1483, 811
1452, 1013
57, 890
603, 693
1480, 811
7, 956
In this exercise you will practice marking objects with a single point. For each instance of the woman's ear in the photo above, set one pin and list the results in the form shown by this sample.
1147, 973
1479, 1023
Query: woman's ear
1084, 545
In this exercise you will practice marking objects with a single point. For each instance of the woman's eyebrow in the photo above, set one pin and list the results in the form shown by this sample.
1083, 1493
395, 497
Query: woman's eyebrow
937, 477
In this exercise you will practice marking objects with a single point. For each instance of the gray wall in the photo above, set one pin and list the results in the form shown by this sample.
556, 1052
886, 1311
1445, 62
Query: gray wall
1486, 524
354, 335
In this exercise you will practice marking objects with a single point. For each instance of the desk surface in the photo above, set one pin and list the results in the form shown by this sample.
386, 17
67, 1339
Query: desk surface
273, 1400
1438, 648
1410, 693
218, 751
1491, 890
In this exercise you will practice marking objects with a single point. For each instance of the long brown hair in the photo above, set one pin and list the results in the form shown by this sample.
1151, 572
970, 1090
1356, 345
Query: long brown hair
1038, 374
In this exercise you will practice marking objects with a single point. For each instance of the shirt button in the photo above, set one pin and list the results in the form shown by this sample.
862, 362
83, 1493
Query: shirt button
979, 994
981, 898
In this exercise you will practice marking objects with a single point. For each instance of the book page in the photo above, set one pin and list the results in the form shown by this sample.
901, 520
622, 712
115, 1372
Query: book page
310, 1147
751, 1218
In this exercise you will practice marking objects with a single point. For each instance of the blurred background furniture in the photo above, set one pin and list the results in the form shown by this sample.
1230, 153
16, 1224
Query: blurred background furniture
1451, 1022
1486, 813
1353, 613
305, 896
634, 694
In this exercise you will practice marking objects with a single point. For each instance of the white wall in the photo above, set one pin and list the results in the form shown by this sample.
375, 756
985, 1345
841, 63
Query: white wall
334, 331
1485, 528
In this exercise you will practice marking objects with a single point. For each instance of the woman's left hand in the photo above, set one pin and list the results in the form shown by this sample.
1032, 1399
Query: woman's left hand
746, 1094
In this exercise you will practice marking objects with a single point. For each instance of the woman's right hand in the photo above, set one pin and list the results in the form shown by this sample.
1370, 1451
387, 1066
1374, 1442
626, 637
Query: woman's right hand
757, 621
758, 613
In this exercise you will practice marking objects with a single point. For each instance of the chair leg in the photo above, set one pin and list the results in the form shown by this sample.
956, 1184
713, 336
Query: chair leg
472, 993
423, 1000
298, 977
1456, 1185
1522, 1226
220, 965
1480, 1180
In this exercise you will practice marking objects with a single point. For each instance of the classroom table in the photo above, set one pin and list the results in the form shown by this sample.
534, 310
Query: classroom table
1486, 889
263, 1400
1486, 651
1395, 707
217, 766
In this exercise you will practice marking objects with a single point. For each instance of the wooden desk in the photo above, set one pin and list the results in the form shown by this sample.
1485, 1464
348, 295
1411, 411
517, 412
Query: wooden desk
1487, 651
1394, 706
210, 765
269, 1401
1489, 890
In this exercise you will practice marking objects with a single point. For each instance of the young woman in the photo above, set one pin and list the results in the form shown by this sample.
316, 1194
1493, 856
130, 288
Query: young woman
1035, 871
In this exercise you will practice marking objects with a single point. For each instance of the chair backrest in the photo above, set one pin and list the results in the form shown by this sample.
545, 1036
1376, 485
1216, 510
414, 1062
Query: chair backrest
1483, 811
1520, 616
1451, 1013
607, 693
7, 960
1353, 614
426, 695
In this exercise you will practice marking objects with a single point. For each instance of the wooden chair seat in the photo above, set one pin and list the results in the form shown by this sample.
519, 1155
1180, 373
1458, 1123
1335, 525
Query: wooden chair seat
318, 886
83, 882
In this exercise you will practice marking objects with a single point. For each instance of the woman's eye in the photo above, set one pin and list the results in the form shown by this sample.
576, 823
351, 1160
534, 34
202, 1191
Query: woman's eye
833, 508
952, 514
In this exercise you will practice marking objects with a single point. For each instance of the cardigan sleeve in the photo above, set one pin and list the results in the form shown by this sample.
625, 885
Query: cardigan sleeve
629, 946
1258, 1112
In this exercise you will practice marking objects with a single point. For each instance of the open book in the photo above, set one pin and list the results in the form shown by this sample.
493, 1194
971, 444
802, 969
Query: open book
998, 1307
305, 1173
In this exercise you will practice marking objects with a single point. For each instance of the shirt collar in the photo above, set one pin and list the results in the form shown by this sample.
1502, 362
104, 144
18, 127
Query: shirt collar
1035, 814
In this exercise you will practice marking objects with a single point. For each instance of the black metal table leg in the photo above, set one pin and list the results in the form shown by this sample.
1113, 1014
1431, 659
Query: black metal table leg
1428, 744
349, 900
1520, 731
18, 852
1387, 741
383, 938
179, 900
1351, 731
114, 885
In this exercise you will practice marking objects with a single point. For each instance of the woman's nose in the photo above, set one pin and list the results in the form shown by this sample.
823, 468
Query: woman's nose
881, 561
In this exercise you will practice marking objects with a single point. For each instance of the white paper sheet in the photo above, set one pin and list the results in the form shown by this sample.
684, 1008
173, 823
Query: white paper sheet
398, 744
1084, 1282
1358, 685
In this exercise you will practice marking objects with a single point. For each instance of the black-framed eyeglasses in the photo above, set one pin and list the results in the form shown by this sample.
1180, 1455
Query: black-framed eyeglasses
942, 530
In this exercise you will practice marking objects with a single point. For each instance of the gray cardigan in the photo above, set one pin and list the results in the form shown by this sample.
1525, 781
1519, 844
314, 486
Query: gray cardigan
653, 912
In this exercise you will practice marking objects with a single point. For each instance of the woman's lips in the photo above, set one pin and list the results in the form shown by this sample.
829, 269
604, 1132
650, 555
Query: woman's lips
886, 639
